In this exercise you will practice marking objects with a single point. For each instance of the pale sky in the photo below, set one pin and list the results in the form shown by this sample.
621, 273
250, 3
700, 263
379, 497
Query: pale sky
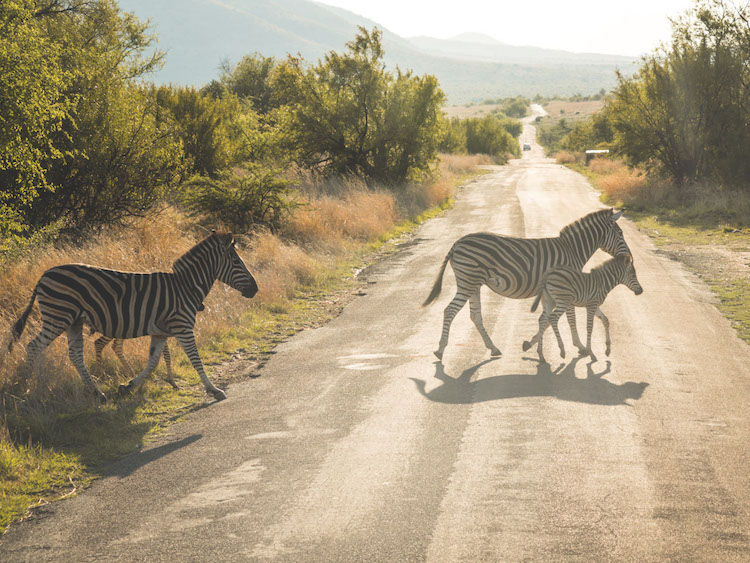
632, 27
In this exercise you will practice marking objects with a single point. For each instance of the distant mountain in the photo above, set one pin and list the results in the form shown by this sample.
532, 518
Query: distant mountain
199, 34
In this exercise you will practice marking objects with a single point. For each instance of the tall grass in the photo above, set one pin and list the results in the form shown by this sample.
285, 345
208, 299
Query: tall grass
703, 206
48, 415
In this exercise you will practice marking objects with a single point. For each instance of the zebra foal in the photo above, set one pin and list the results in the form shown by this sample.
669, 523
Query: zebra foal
564, 289
514, 267
128, 305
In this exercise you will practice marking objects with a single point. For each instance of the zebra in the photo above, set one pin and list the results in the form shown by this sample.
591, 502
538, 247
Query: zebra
514, 267
565, 288
128, 305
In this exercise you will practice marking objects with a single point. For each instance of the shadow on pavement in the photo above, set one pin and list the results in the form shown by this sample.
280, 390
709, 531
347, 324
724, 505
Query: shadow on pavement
561, 383
132, 462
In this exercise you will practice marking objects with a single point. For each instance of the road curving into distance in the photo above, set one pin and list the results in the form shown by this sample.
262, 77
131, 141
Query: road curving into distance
356, 444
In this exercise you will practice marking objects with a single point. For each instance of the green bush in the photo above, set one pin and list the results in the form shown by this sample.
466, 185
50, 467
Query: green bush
241, 200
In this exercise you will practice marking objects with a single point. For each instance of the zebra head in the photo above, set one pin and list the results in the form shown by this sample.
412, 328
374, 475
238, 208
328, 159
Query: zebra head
231, 268
613, 241
627, 273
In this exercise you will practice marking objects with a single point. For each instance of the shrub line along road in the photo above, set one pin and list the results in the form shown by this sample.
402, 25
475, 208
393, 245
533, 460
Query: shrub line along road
355, 444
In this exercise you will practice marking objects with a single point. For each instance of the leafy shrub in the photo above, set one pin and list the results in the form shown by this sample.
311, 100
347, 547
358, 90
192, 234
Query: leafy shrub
241, 200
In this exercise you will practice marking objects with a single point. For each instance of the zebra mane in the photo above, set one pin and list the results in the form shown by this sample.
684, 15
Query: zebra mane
609, 263
183, 261
576, 225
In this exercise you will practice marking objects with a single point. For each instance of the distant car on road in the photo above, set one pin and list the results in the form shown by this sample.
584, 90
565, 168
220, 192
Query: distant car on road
526, 147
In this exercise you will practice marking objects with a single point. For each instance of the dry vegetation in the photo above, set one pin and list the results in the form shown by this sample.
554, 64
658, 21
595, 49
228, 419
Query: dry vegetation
46, 417
581, 109
471, 110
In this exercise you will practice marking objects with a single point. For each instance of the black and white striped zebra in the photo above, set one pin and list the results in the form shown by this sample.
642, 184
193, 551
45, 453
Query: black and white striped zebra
565, 288
128, 305
514, 267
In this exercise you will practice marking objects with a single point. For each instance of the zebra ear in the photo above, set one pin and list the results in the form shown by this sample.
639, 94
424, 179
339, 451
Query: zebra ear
616, 214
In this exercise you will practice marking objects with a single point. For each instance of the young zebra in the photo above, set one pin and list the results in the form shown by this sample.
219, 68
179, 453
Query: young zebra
563, 289
129, 305
514, 267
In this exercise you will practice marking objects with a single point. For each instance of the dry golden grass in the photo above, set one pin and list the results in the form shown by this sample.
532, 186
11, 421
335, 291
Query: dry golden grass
581, 109
462, 163
570, 157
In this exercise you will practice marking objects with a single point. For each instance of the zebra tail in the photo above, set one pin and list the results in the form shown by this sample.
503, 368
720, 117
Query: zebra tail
537, 300
438, 281
20, 324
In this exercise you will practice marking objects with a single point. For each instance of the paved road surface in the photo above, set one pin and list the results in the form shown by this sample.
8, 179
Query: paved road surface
356, 445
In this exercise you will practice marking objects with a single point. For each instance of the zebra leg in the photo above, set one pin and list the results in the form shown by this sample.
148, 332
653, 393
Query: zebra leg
168, 362
117, 347
605, 322
99, 345
187, 341
554, 318
475, 311
543, 324
75, 351
590, 311
448, 315
157, 345
571, 314
37, 346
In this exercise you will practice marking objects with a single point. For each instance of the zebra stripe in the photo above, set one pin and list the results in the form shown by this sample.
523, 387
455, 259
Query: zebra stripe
565, 288
514, 267
128, 305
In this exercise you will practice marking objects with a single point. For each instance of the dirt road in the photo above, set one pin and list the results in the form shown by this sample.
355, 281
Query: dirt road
356, 445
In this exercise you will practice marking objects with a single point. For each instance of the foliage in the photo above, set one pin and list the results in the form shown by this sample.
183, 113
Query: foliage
492, 135
203, 125
250, 80
239, 201
107, 157
31, 109
348, 115
684, 114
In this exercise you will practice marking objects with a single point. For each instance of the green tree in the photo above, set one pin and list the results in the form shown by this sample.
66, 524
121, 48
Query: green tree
118, 155
348, 115
685, 113
32, 107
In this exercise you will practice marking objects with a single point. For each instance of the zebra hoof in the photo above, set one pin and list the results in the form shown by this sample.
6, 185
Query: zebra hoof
526, 345
438, 354
562, 353
124, 390
218, 394
495, 352
101, 398
172, 383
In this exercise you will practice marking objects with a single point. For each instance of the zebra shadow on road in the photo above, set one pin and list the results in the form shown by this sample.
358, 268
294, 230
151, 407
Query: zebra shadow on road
561, 383
130, 463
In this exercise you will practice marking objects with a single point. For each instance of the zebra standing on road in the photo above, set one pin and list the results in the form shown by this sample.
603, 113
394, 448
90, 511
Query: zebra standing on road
565, 288
129, 305
514, 267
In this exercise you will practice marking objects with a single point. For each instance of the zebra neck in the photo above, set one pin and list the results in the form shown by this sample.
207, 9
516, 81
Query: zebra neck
605, 279
581, 247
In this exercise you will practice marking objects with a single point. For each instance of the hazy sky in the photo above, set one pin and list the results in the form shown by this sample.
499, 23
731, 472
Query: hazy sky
632, 27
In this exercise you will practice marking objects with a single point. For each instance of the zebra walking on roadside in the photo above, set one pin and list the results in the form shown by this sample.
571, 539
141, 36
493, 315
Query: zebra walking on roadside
565, 288
514, 267
128, 305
